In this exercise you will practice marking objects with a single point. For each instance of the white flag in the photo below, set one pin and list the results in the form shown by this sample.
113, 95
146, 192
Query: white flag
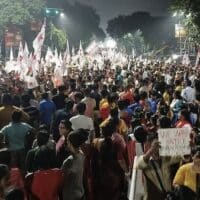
186, 59
20, 54
81, 53
38, 41
198, 57
11, 54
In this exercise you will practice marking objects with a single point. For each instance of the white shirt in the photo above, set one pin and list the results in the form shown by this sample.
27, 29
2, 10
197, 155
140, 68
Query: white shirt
188, 94
82, 121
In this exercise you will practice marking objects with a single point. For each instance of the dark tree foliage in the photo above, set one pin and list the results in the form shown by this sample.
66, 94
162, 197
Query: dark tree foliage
81, 23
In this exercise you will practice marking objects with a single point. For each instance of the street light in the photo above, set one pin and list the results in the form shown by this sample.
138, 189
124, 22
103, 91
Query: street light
62, 14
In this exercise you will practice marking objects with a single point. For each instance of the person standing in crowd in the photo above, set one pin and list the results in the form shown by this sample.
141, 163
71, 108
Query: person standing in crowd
188, 93
45, 183
59, 99
82, 121
73, 167
7, 109
89, 102
47, 109
15, 136
152, 164
187, 179
32, 111
62, 151
109, 165
42, 139
62, 114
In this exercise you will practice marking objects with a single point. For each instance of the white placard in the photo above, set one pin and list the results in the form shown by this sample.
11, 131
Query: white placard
174, 141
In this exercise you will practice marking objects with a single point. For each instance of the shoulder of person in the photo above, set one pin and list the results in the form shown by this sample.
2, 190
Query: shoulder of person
68, 162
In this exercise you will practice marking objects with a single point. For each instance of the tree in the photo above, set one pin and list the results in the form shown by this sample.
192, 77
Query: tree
155, 29
81, 23
191, 10
57, 38
132, 41
19, 12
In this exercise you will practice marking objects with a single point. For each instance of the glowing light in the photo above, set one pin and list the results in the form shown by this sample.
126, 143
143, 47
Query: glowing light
175, 56
110, 43
62, 14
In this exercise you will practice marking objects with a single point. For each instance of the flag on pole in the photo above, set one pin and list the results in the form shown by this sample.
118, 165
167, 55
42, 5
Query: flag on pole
20, 54
73, 51
11, 54
80, 52
186, 59
197, 59
38, 41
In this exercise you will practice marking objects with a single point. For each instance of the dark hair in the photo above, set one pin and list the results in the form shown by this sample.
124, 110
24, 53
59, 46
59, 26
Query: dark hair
81, 107
165, 122
4, 171
78, 137
42, 137
45, 158
16, 116
104, 93
45, 95
25, 98
6, 99
178, 94
67, 124
69, 104
109, 129
43, 127
14, 194
185, 113
164, 109
140, 134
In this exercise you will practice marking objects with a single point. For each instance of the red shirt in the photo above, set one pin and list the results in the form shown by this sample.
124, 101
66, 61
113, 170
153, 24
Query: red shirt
47, 184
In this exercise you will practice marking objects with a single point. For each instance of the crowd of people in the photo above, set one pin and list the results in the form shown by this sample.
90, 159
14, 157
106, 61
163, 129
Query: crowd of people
78, 141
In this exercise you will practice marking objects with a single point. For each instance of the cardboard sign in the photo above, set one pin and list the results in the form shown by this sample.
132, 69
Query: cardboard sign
174, 142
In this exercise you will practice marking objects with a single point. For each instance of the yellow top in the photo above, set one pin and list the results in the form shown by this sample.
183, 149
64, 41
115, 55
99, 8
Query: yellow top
122, 127
185, 176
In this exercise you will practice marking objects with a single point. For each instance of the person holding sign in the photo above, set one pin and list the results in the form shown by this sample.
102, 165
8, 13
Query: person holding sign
156, 170
187, 179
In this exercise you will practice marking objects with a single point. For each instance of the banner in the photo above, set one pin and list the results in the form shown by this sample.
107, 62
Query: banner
174, 141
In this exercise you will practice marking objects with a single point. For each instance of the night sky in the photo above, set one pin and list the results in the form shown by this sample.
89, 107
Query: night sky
108, 9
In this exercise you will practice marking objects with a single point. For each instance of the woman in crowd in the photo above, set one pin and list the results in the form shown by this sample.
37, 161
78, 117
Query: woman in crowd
73, 166
176, 105
109, 164
62, 151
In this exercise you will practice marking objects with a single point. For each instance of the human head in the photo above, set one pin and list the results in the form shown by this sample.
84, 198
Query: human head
45, 158
184, 115
45, 95
77, 138
164, 122
177, 95
65, 127
81, 108
78, 97
140, 134
42, 138
69, 105
104, 93
109, 128
16, 116
25, 99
